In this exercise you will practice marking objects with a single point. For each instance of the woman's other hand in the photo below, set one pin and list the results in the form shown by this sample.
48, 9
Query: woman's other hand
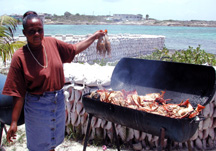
17, 108
11, 132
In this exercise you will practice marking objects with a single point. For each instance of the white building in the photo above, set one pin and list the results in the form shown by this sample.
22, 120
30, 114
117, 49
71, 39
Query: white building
43, 15
127, 17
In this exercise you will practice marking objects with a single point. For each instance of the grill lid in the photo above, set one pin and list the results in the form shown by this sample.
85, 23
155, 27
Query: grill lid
181, 81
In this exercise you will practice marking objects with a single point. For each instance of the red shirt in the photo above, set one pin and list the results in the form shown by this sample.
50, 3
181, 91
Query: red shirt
25, 74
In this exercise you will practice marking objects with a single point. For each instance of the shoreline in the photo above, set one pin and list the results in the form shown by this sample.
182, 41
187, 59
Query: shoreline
150, 22
193, 23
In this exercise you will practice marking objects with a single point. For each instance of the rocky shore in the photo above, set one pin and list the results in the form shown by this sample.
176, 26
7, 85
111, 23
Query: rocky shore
151, 22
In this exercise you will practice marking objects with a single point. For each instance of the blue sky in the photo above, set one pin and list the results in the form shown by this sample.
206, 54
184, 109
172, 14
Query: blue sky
158, 9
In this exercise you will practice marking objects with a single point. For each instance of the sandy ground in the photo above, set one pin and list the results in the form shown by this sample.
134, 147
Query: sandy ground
20, 144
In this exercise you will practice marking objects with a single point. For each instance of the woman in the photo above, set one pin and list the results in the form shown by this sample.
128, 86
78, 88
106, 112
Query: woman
36, 79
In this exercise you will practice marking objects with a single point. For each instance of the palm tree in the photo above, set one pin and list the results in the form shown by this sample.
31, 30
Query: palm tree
8, 45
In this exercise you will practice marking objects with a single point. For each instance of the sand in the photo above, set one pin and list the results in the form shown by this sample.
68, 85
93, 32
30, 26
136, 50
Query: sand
68, 145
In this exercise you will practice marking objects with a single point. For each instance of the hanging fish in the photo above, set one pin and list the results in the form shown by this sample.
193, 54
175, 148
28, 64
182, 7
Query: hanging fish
103, 45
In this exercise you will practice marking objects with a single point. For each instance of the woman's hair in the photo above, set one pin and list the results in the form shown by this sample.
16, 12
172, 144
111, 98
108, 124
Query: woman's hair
28, 13
29, 17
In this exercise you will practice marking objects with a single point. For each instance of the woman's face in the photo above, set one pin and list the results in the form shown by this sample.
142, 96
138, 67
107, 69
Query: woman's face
34, 32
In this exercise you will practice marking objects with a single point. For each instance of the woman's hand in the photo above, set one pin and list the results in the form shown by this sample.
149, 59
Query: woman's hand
81, 46
11, 132
17, 108
98, 34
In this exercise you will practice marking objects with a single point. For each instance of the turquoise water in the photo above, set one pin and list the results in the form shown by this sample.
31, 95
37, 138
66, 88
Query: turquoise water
176, 37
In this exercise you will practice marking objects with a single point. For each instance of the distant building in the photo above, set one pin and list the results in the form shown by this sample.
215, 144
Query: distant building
41, 15
109, 18
127, 17
47, 15
17, 17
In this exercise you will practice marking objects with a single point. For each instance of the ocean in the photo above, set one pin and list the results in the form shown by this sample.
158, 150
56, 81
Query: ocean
177, 38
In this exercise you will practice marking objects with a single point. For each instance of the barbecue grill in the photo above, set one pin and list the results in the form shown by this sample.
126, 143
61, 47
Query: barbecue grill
6, 108
181, 81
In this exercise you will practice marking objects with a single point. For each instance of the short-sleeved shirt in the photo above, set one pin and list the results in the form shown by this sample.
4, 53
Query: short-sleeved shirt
25, 74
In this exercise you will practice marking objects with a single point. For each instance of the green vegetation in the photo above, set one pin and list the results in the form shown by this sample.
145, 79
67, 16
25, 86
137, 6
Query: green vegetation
8, 45
77, 19
191, 55
69, 18
21, 139
74, 133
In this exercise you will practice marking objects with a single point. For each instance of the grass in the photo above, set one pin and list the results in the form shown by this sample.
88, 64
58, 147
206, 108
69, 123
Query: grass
74, 132
20, 138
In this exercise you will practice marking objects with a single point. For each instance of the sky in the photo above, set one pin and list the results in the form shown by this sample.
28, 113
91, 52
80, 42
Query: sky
157, 9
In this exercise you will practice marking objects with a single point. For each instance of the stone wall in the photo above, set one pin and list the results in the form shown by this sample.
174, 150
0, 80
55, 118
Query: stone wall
122, 45
125, 45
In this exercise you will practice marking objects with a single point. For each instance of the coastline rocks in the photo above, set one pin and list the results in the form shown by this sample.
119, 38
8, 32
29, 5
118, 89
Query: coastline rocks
150, 22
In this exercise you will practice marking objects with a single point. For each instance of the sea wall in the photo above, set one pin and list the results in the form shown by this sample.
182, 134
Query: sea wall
122, 45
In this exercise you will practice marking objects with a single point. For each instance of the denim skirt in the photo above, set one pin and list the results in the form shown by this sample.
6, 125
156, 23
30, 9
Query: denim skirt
44, 120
